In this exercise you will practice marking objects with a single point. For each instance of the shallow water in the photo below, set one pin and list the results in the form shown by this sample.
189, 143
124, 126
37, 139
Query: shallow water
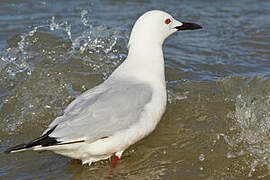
216, 125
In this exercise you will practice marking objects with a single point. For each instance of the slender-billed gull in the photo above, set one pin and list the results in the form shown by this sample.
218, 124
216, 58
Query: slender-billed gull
108, 118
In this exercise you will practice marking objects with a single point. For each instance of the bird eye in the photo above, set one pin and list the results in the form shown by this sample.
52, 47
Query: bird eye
168, 21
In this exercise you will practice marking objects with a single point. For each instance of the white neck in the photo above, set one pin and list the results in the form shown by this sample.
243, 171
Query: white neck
144, 62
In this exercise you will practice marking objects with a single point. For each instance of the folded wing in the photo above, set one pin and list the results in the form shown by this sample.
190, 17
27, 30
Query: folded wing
101, 112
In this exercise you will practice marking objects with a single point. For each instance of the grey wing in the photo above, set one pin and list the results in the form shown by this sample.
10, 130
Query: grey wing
100, 114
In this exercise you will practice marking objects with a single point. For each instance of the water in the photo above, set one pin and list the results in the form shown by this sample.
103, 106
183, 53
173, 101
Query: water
217, 122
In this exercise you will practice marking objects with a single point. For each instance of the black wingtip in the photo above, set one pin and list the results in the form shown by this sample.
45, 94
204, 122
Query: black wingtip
15, 148
44, 140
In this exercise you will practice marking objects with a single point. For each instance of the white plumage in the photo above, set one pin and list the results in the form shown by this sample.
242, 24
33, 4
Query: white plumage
125, 108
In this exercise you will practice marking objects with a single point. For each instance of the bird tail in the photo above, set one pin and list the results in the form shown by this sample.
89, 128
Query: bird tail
44, 140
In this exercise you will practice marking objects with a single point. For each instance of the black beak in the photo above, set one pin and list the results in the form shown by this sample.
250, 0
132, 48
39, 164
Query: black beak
188, 26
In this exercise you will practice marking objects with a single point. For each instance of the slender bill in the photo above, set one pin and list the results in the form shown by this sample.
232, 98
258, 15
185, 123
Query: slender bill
188, 26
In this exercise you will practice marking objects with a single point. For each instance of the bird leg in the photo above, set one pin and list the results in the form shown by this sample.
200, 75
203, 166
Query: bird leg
115, 159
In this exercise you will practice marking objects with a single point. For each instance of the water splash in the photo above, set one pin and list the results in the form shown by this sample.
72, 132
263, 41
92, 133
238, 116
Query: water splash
251, 125
101, 47
54, 25
84, 19
15, 59
35, 73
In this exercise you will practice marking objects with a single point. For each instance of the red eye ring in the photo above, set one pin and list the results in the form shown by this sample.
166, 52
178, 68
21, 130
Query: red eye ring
168, 21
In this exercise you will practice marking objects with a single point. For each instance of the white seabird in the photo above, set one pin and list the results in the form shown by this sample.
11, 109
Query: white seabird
108, 118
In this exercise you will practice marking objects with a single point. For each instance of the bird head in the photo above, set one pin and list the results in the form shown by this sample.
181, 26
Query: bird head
153, 27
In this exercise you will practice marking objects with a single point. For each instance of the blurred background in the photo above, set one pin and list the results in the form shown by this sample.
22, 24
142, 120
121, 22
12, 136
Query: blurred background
217, 122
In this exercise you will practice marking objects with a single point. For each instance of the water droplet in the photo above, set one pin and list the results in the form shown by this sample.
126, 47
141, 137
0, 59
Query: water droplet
47, 106
201, 157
